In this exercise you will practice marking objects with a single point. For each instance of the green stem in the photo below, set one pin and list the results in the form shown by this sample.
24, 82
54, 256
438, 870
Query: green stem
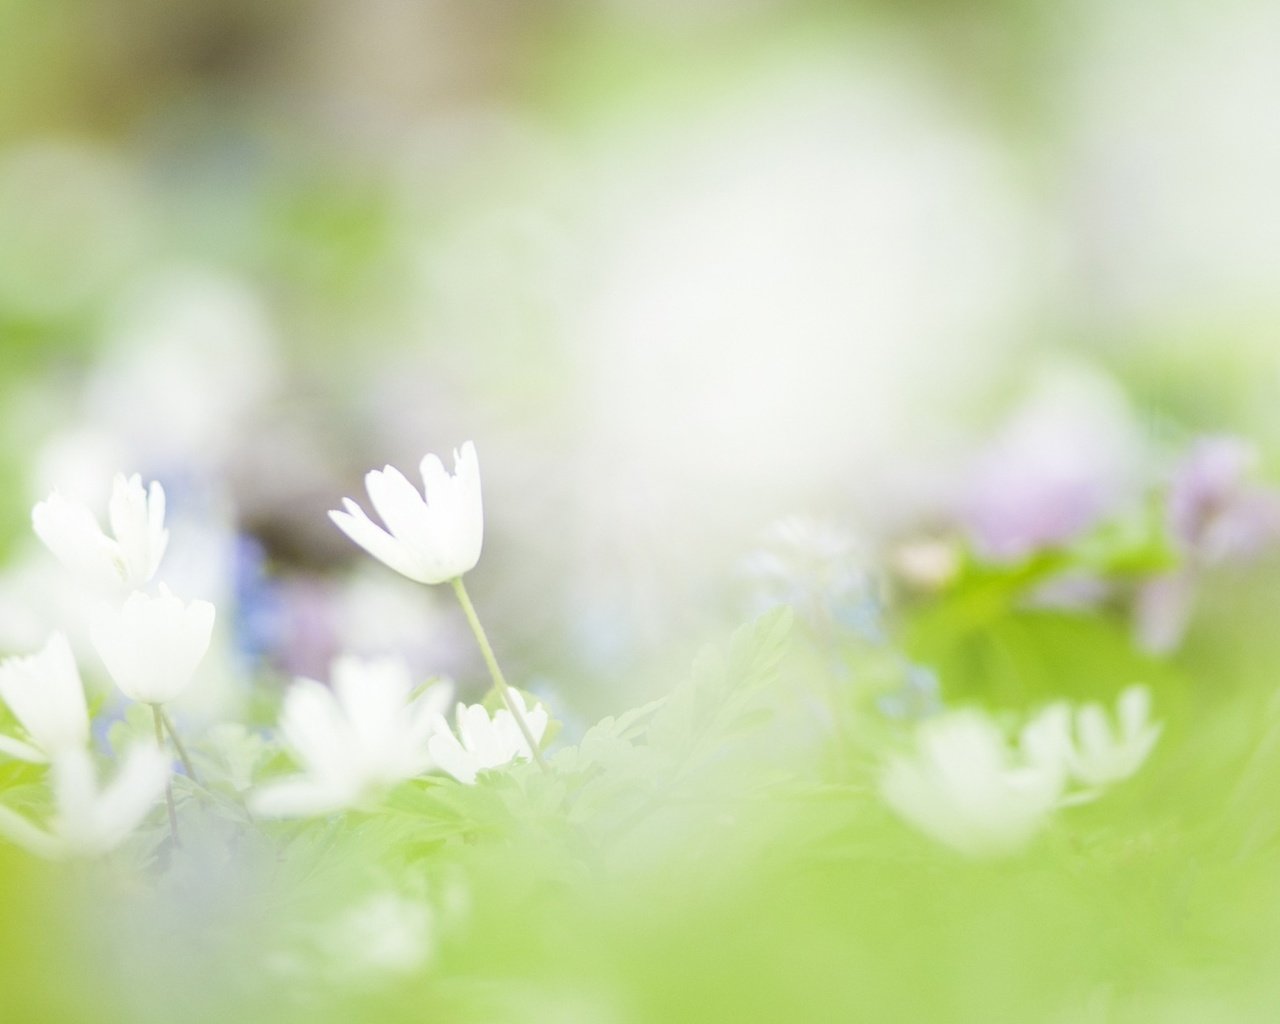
499, 680
158, 715
177, 743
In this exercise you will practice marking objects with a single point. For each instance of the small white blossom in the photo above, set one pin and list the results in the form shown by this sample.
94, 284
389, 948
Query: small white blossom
130, 556
967, 787
1102, 755
152, 645
1046, 739
432, 539
89, 821
482, 742
1082, 745
353, 740
46, 696
385, 935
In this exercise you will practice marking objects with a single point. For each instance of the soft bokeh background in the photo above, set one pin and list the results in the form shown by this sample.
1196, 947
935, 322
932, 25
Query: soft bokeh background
681, 268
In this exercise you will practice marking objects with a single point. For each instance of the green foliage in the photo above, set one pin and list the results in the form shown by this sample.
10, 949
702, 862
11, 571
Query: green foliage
720, 853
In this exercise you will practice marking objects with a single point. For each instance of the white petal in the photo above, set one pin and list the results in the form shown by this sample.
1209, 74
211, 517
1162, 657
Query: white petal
159, 536
130, 796
1134, 708
385, 548
402, 508
152, 645
45, 694
435, 479
314, 727
448, 754
69, 530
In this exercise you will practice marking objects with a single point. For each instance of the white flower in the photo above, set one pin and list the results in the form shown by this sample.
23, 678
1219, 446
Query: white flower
969, 789
89, 821
152, 645
1046, 739
385, 935
1101, 755
483, 742
353, 740
430, 540
133, 552
46, 696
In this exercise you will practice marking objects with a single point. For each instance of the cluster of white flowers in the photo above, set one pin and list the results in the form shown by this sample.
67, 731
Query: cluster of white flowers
45, 695
968, 787
150, 646
353, 739
366, 731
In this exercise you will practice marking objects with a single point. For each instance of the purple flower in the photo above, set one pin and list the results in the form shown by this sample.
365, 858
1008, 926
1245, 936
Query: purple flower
1063, 460
1215, 514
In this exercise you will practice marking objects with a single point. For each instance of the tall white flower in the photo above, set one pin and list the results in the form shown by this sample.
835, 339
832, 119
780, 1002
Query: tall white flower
354, 739
88, 820
1102, 755
46, 696
430, 539
968, 788
482, 742
152, 645
130, 556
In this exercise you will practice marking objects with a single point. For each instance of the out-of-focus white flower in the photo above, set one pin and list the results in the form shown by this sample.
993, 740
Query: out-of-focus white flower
89, 821
152, 645
45, 694
430, 540
927, 563
1081, 744
1102, 755
482, 742
386, 934
133, 552
353, 740
1046, 740
968, 788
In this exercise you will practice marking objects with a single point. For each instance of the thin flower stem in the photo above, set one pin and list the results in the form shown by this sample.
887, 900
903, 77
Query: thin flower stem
168, 783
185, 758
499, 680
177, 743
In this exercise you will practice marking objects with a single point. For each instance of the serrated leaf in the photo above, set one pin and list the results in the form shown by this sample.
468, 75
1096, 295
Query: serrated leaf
721, 688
